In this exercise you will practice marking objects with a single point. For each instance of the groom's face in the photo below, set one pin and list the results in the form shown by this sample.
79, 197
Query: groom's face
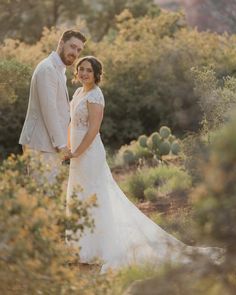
70, 50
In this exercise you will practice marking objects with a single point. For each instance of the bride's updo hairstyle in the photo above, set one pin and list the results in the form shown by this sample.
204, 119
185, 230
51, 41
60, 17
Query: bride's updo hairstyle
96, 66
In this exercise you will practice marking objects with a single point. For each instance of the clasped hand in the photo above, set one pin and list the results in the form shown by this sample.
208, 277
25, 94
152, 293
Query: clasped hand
65, 154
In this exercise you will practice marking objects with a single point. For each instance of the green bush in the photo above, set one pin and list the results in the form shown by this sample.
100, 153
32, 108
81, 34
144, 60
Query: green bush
34, 256
216, 97
214, 201
163, 179
217, 100
150, 194
198, 278
214, 217
180, 223
152, 59
14, 91
148, 80
136, 186
170, 178
215, 198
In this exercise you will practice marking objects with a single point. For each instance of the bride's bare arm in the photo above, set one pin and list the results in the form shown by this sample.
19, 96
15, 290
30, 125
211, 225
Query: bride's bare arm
95, 115
68, 137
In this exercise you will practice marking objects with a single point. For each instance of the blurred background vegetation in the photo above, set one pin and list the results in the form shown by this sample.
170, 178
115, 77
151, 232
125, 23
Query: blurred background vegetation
148, 56
160, 70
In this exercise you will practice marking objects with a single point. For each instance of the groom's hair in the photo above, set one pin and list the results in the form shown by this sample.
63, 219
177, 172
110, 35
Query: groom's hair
72, 33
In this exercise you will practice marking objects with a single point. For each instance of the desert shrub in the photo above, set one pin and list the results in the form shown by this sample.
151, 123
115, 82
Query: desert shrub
216, 97
195, 149
31, 54
14, 89
169, 179
162, 179
136, 184
214, 216
180, 223
217, 100
150, 194
34, 256
148, 81
194, 279
148, 70
213, 213
215, 197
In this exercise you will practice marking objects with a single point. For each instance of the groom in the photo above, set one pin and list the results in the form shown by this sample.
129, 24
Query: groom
44, 132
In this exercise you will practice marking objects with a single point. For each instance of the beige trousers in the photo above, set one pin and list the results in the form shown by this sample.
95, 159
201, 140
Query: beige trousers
43, 164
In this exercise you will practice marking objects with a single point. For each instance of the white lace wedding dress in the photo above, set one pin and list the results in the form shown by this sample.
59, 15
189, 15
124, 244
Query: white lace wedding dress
123, 235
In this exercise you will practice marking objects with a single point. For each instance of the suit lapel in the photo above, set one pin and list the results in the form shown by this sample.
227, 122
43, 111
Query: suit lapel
61, 76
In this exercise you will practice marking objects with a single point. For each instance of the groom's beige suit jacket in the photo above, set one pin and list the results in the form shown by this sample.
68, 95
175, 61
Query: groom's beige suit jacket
48, 114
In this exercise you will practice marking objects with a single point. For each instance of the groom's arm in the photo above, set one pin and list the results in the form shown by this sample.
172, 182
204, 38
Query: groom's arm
47, 87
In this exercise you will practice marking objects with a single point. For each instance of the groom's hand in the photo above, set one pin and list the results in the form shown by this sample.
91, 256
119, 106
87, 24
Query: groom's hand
65, 153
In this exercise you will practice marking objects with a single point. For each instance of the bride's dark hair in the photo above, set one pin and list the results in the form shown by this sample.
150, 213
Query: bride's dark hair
96, 66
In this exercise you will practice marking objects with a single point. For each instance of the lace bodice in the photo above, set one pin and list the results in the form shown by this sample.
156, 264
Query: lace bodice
79, 107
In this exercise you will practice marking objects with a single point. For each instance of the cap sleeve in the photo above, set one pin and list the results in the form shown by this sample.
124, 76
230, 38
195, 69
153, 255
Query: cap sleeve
96, 96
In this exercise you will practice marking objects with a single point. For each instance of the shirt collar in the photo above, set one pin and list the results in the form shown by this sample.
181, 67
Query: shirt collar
58, 61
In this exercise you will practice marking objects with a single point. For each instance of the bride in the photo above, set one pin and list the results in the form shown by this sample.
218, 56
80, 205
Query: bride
123, 235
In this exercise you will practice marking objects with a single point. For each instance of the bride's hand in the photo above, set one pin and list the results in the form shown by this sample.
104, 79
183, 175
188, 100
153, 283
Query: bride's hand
70, 155
74, 155
67, 157
64, 153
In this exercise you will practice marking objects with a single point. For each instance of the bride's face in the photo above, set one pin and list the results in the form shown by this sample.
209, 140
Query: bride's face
85, 73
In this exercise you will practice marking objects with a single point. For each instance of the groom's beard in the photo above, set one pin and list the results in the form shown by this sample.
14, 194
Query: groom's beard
67, 61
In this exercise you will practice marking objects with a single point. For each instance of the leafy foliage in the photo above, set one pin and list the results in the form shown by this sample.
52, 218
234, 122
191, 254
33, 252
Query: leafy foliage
216, 97
163, 179
148, 64
14, 89
217, 100
34, 258
215, 198
25, 20
148, 69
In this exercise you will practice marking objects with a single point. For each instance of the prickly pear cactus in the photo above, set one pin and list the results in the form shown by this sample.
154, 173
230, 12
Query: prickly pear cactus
150, 148
128, 157
142, 140
164, 148
165, 132
175, 147
155, 140
171, 138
